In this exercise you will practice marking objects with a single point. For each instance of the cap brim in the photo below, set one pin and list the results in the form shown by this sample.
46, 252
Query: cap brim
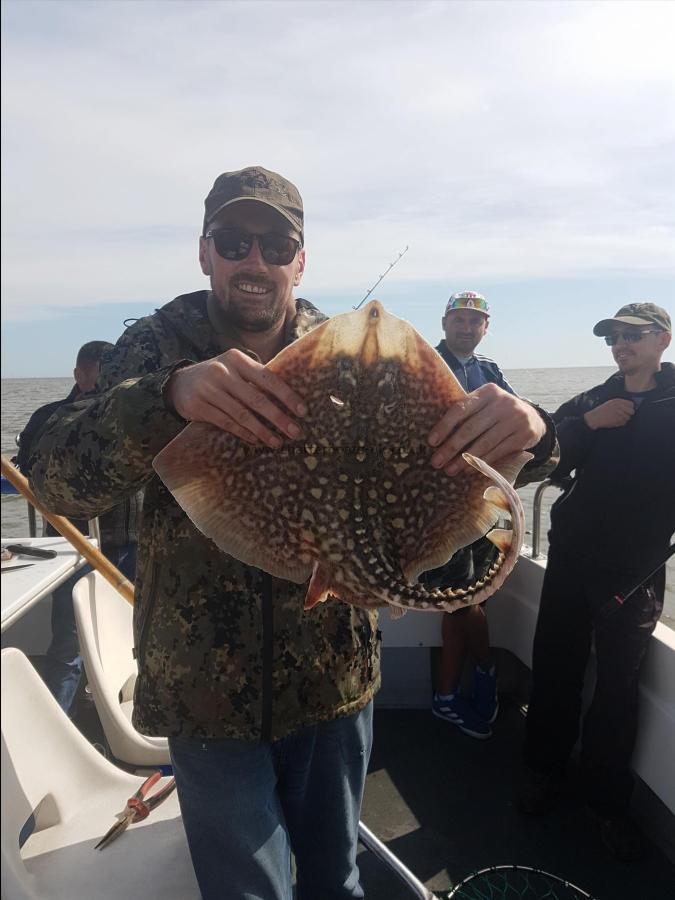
604, 327
465, 308
278, 209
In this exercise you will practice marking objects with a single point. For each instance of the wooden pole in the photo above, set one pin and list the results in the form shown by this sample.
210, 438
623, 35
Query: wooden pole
93, 556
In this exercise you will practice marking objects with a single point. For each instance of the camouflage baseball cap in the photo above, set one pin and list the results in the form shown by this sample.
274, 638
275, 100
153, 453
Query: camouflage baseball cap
255, 183
636, 314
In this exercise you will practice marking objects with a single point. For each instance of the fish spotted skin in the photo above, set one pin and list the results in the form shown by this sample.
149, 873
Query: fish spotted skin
355, 506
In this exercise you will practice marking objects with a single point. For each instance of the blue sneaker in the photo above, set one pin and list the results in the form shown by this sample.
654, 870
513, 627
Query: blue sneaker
458, 711
485, 700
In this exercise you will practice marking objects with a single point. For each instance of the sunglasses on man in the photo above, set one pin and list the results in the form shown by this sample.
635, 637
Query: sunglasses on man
474, 302
630, 337
234, 245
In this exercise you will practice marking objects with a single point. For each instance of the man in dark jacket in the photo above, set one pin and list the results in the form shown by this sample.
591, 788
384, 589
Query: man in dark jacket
62, 669
465, 632
268, 708
609, 529
85, 373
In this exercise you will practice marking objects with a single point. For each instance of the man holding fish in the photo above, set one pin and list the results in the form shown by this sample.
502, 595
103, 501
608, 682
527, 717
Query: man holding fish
268, 707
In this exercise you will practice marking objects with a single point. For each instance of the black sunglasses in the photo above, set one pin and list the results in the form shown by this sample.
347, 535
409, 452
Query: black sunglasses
630, 337
233, 244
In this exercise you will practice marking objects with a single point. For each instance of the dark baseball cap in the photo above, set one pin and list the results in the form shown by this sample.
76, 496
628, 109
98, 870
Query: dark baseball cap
635, 314
255, 183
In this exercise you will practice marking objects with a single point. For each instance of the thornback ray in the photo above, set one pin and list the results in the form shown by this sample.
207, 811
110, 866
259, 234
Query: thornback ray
355, 505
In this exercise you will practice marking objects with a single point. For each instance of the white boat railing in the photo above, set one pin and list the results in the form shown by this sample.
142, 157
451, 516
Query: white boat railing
8, 490
536, 514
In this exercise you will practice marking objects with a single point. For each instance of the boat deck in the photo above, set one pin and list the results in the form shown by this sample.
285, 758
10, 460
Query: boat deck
444, 804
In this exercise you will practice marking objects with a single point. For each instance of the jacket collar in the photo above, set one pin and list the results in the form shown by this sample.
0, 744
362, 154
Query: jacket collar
450, 357
306, 317
195, 318
665, 377
665, 380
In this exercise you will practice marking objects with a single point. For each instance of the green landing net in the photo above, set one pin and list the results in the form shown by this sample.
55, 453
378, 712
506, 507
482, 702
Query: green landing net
514, 883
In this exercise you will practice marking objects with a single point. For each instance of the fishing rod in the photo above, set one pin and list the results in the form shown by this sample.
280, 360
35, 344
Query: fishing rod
93, 556
391, 266
619, 599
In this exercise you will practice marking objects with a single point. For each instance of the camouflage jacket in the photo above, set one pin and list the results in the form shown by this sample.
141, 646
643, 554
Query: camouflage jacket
118, 525
223, 649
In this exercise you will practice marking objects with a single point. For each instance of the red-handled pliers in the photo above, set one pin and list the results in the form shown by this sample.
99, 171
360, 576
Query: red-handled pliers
138, 807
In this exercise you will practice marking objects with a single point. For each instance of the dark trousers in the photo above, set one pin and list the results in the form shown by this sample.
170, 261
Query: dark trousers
571, 613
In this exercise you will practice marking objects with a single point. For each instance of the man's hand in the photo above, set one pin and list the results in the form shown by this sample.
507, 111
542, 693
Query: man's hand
237, 394
489, 423
611, 414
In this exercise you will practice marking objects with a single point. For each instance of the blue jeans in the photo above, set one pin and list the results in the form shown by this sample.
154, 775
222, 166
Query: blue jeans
63, 663
246, 806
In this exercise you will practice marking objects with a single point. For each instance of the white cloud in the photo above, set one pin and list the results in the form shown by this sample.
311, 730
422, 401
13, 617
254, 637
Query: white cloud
496, 139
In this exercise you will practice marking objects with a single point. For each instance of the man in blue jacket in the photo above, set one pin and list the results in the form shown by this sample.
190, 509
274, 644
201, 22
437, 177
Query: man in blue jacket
609, 530
465, 632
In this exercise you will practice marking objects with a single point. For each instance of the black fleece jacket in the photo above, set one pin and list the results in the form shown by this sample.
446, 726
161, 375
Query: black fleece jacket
618, 508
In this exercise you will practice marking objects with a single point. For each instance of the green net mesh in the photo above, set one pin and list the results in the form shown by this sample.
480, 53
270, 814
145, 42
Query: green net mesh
514, 883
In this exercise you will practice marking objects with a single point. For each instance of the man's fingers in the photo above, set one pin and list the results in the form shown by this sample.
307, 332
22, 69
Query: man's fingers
490, 423
272, 384
269, 383
498, 441
214, 415
217, 417
501, 440
259, 391
511, 445
457, 414
251, 405
231, 387
238, 394
463, 438
238, 417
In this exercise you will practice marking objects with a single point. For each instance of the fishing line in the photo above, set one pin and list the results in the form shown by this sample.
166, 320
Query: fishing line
391, 266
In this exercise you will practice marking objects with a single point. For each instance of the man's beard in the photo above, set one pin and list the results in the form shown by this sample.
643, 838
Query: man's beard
245, 316
627, 365
255, 320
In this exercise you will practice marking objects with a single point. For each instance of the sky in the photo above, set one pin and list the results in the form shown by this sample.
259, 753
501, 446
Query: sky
523, 150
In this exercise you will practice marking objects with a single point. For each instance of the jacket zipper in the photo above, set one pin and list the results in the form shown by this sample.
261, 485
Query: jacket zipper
126, 537
145, 625
268, 657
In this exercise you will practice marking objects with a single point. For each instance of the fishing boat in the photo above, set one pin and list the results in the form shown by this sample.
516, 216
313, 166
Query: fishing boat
441, 805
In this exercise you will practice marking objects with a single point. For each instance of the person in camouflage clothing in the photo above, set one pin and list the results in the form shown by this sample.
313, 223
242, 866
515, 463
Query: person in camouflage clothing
268, 708
62, 666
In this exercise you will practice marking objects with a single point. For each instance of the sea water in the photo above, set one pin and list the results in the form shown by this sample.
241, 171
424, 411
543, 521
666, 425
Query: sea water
548, 387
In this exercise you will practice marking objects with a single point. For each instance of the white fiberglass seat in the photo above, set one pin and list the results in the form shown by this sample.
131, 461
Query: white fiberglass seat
104, 626
52, 773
